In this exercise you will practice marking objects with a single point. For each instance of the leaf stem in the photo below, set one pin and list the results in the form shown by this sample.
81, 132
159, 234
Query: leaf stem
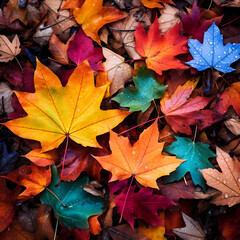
230, 21
125, 200
51, 25
63, 161
195, 134
19, 64
55, 232
55, 196
140, 125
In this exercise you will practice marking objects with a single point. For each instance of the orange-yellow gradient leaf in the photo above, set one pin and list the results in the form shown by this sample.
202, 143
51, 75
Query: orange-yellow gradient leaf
143, 160
42, 159
160, 51
55, 112
92, 16
34, 178
227, 181
155, 3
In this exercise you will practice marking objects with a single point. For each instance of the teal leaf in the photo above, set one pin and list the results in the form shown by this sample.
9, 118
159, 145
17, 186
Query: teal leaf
196, 155
80, 205
147, 88
212, 53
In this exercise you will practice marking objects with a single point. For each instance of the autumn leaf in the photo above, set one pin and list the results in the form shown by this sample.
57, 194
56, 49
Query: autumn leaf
147, 88
71, 204
230, 97
142, 205
196, 155
212, 53
227, 181
160, 51
192, 231
9, 50
34, 178
7, 204
181, 111
56, 112
42, 159
81, 48
155, 3
143, 160
92, 16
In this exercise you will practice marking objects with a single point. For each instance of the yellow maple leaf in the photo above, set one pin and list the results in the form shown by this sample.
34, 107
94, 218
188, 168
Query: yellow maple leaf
56, 112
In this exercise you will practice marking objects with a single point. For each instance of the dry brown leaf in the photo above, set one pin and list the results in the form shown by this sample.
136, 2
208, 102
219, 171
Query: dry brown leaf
233, 125
118, 72
227, 181
126, 38
56, 15
222, 3
42, 37
169, 17
192, 231
9, 50
6, 95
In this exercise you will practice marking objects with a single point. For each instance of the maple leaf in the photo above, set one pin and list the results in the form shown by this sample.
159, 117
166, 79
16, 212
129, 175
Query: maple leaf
160, 51
56, 112
143, 160
34, 178
147, 88
42, 159
92, 16
212, 53
9, 50
181, 112
196, 155
143, 204
71, 204
230, 97
227, 181
155, 3
81, 48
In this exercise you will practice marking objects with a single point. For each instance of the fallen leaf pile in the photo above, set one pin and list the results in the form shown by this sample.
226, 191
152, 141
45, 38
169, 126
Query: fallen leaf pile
119, 119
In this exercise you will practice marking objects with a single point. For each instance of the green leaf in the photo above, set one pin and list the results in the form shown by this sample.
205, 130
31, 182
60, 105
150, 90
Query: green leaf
80, 205
147, 88
196, 155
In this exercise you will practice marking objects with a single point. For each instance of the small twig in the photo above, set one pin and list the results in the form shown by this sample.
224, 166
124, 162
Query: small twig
195, 134
230, 22
55, 232
56, 23
122, 30
185, 181
19, 64
55, 196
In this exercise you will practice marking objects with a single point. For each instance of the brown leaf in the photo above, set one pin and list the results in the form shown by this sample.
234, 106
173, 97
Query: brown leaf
6, 95
192, 231
9, 50
118, 72
227, 181
233, 125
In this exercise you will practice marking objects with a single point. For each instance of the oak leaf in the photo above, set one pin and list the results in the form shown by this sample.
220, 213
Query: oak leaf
92, 16
227, 181
34, 178
9, 50
55, 112
160, 51
143, 160
181, 112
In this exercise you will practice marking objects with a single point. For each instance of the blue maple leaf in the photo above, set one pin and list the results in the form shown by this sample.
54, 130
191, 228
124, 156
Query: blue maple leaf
212, 53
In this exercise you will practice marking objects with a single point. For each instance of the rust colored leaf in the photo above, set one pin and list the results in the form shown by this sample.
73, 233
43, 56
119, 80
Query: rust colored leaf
34, 178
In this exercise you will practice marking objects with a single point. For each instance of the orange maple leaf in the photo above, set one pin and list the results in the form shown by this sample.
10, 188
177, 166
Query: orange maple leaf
181, 112
160, 51
92, 16
34, 178
227, 181
56, 112
155, 3
143, 160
